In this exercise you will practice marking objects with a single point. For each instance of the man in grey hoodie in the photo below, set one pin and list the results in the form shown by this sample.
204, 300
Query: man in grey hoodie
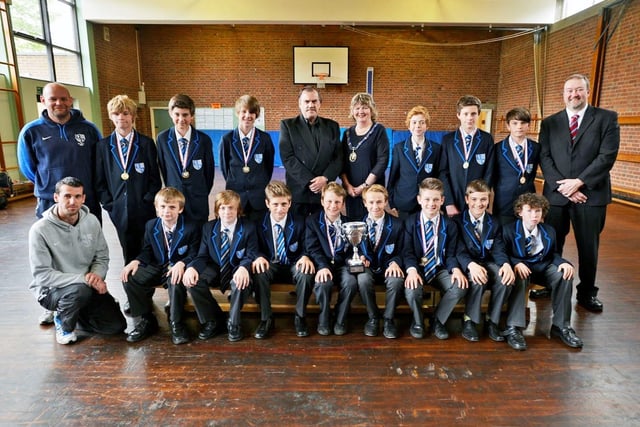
69, 258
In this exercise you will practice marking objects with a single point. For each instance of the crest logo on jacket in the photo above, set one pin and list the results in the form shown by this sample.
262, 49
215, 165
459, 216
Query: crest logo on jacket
428, 167
80, 139
480, 158
197, 164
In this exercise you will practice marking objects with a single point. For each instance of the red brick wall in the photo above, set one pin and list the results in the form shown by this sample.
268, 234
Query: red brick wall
569, 51
220, 63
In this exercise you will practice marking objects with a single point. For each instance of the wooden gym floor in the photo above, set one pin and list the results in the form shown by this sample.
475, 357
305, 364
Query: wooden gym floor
348, 380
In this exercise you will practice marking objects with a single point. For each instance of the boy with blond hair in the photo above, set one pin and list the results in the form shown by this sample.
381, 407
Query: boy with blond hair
227, 248
282, 258
382, 251
170, 243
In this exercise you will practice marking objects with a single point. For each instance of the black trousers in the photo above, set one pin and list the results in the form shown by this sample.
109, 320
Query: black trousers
80, 305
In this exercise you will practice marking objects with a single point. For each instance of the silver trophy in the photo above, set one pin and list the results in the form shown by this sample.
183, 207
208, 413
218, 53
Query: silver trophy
354, 232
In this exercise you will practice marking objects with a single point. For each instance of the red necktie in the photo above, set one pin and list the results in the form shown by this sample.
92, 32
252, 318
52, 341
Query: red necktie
573, 128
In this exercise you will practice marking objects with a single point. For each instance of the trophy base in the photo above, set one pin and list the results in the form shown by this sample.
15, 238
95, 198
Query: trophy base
356, 268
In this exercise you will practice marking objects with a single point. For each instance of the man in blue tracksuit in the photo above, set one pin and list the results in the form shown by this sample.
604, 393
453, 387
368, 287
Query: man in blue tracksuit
58, 144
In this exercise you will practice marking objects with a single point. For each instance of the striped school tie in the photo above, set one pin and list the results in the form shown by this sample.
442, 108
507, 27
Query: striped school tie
467, 142
430, 253
528, 245
281, 252
245, 143
183, 146
372, 233
520, 152
124, 147
225, 264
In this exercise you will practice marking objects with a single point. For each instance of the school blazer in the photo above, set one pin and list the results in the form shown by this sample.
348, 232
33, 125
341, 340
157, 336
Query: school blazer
506, 176
317, 245
480, 164
129, 202
514, 240
389, 246
490, 247
294, 235
186, 239
406, 174
447, 243
200, 165
243, 251
303, 161
250, 186
590, 158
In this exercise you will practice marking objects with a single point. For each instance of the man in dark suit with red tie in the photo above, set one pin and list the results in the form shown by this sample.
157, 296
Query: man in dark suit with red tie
311, 152
579, 146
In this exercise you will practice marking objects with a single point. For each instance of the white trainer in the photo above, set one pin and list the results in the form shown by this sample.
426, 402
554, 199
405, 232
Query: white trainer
62, 336
46, 318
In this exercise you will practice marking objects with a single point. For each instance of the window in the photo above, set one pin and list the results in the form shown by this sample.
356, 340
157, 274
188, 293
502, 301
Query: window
571, 7
47, 43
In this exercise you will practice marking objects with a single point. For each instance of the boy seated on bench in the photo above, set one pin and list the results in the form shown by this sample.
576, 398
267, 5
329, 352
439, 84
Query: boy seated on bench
531, 246
228, 247
430, 249
282, 258
482, 255
170, 243
327, 249
383, 253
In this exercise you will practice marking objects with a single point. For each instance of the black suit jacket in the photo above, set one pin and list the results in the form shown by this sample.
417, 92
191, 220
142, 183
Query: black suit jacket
250, 186
447, 243
406, 175
129, 202
506, 176
294, 235
304, 161
515, 243
490, 246
590, 158
389, 248
481, 161
186, 239
201, 169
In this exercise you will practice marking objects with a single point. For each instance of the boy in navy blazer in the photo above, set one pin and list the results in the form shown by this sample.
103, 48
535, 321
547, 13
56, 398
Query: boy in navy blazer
531, 246
469, 154
170, 243
328, 250
282, 258
228, 247
412, 161
382, 251
430, 249
246, 158
516, 164
185, 156
483, 257
127, 176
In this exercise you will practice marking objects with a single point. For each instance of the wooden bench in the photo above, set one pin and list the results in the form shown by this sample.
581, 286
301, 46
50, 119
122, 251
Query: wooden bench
283, 300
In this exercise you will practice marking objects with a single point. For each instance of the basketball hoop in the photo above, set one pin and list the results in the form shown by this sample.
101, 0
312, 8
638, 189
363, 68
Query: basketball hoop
320, 80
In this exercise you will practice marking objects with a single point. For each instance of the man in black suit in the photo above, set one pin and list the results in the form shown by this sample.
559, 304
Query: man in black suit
311, 152
579, 146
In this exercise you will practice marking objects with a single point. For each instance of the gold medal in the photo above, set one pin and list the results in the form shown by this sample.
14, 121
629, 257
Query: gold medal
523, 180
353, 157
246, 169
124, 176
465, 165
185, 174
